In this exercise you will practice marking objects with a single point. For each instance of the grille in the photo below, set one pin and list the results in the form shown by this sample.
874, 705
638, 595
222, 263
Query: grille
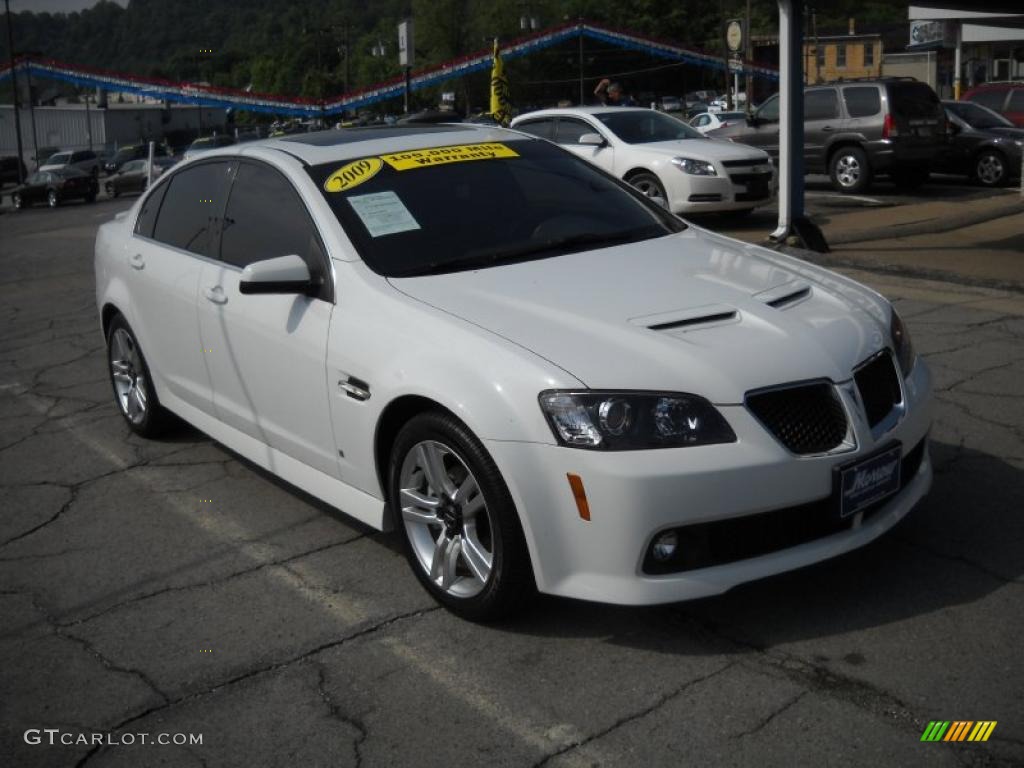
879, 387
739, 538
757, 185
742, 163
806, 418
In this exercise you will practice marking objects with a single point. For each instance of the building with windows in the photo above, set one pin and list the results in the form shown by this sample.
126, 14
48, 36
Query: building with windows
842, 57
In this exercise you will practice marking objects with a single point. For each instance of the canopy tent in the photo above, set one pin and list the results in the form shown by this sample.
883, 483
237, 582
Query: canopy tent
211, 96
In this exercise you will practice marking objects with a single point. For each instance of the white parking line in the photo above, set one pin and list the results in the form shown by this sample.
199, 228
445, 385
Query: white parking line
837, 196
445, 670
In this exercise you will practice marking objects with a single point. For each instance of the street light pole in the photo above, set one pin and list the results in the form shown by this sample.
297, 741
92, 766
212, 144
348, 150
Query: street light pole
14, 87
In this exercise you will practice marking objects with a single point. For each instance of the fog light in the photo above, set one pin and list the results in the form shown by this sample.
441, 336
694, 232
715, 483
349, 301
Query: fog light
665, 546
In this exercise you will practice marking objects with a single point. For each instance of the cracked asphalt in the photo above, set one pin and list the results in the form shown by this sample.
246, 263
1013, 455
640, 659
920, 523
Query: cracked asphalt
171, 587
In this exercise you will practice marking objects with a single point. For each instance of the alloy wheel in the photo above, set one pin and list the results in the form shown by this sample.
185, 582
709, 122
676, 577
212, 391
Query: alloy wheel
990, 169
848, 170
649, 187
446, 519
129, 379
51, 199
16, 199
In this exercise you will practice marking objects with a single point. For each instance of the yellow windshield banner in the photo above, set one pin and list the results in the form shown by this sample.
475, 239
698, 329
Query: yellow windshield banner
353, 174
423, 158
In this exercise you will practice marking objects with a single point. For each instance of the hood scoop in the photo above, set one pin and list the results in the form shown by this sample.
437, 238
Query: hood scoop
785, 295
687, 319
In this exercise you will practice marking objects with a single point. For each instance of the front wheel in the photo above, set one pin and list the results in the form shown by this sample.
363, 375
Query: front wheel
849, 170
17, 201
990, 169
51, 199
651, 186
133, 386
459, 524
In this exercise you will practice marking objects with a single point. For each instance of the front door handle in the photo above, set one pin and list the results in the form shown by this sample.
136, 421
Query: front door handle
215, 294
137, 261
827, 129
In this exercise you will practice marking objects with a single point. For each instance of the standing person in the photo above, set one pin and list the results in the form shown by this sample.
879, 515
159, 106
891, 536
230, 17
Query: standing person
611, 94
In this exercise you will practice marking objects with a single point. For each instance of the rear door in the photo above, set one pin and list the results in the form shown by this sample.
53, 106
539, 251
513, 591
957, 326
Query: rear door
917, 115
822, 120
173, 239
267, 352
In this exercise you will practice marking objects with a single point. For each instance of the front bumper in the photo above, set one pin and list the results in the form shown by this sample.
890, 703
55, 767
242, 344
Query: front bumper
634, 495
729, 191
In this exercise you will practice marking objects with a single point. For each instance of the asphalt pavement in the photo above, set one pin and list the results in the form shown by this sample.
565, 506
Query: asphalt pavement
171, 588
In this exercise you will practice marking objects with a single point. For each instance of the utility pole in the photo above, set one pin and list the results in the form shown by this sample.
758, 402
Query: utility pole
582, 93
14, 87
749, 55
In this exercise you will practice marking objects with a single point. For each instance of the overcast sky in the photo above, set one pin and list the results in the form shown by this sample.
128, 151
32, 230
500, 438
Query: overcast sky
54, 6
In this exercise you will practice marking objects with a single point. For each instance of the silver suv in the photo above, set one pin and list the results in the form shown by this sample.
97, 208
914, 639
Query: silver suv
855, 130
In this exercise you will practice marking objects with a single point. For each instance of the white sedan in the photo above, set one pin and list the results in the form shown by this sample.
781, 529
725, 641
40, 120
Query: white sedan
708, 121
661, 156
540, 378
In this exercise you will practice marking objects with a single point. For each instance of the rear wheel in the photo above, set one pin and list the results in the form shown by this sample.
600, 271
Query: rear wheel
849, 170
459, 524
51, 199
650, 185
133, 386
111, 190
17, 201
991, 169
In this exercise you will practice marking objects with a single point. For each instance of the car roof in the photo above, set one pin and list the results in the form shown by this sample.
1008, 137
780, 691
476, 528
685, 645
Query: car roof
344, 143
570, 111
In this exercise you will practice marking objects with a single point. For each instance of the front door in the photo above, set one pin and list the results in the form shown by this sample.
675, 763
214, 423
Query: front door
567, 133
267, 352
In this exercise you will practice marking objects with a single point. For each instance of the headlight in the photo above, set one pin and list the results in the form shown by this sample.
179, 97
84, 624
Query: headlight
694, 167
901, 344
622, 421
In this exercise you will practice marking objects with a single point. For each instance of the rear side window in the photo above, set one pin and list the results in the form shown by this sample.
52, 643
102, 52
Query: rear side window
821, 104
147, 215
265, 218
862, 101
545, 129
1016, 101
190, 207
993, 98
912, 101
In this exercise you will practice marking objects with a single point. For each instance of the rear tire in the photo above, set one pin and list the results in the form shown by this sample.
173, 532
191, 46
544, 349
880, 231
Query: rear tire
17, 202
51, 199
132, 383
990, 168
849, 170
463, 539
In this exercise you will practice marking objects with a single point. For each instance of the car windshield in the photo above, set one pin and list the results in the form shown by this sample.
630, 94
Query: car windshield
978, 116
208, 143
646, 126
452, 208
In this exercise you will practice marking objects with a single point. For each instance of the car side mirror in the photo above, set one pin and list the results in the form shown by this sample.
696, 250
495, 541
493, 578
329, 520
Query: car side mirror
285, 274
592, 140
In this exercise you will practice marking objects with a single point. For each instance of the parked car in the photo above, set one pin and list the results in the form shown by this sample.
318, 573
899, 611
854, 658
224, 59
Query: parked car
54, 187
134, 152
9, 170
709, 121
985, 145
43, 154
536, 375
1005, 98
671, 104
695, 98
660, 155
207, 143
858, 130
84, 160
134, 176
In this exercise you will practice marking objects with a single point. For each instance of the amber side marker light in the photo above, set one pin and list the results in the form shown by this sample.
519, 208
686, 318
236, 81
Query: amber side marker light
576, 483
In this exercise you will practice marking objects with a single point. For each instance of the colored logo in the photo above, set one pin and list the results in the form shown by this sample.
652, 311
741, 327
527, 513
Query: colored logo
958, 730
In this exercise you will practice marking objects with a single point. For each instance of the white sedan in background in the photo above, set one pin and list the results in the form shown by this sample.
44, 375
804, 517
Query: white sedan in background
708, 121
661, 156
533, 373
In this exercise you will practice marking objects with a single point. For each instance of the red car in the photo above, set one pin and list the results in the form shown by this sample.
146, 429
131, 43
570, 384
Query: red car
1005, 98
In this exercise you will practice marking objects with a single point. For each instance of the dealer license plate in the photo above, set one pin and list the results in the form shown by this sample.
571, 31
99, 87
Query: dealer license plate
869, 480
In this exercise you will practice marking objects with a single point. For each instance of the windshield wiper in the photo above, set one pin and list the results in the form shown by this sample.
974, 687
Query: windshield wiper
527, 251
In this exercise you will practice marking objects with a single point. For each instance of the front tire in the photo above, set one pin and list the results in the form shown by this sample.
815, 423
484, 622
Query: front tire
849, 170
51, 199
990, 169
17, 202
132, 383
458, 522
651, 186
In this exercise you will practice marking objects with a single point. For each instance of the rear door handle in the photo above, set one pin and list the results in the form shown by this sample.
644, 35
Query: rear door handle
137, 261
215, 294
827, 129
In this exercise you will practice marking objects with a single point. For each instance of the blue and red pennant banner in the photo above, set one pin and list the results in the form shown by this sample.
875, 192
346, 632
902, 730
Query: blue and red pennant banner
212, 96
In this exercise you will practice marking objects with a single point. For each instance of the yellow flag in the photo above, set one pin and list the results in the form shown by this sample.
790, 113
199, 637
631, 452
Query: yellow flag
501, 104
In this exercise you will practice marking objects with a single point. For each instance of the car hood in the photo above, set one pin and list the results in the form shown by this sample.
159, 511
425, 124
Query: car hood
57, 167
706, 149
693, 312
1005, 132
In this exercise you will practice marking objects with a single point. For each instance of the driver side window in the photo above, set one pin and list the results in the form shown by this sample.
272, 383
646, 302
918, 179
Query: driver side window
769, 111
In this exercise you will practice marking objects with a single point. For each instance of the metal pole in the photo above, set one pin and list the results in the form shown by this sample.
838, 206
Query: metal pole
14, 87
582, 93
956, 63
32, 117
408, 87
791, 118
749, 55
88, 120
149, 165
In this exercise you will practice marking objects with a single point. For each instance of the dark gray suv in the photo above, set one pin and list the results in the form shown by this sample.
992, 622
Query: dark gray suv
858, 129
